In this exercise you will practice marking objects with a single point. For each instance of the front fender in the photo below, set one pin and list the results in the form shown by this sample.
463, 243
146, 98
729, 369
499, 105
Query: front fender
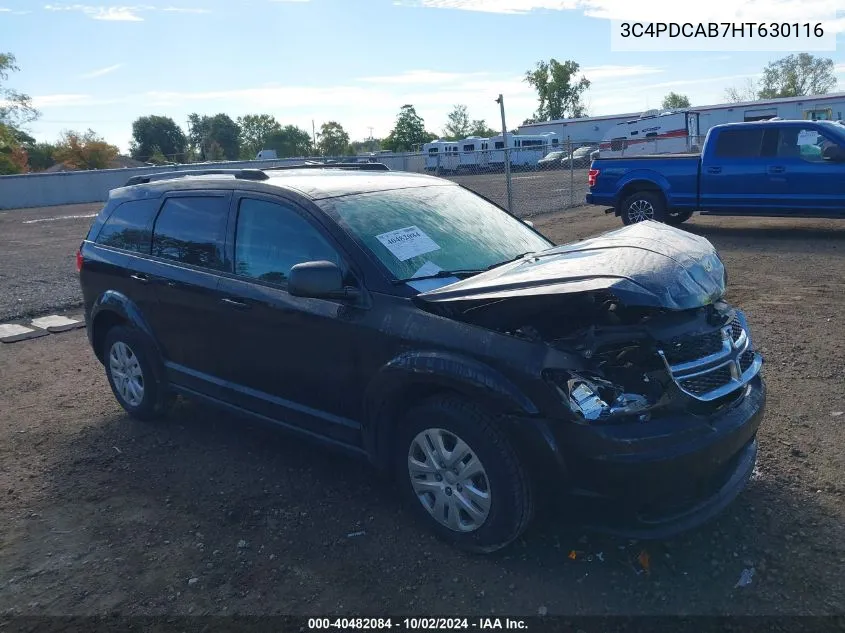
406, 376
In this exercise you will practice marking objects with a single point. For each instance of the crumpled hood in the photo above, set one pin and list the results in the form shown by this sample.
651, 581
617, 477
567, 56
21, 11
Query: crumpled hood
647, 264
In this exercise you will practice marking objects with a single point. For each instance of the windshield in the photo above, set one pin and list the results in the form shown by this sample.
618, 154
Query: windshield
424, 230
582, 151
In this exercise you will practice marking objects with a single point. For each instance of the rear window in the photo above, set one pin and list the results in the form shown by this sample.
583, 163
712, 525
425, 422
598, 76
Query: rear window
192, 230
743, 143
129, 227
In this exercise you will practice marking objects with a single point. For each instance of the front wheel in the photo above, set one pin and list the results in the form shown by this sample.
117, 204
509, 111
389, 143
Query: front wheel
641, 206
460, 475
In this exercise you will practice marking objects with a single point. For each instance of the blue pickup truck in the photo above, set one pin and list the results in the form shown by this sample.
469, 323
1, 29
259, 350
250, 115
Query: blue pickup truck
765, 168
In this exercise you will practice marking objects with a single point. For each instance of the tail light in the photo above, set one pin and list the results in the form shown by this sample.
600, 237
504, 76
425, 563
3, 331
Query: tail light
79, 260
591, 177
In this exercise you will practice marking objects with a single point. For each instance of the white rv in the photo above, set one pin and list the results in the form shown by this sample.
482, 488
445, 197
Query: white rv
654, 132
525, 149
441, 154
475, 152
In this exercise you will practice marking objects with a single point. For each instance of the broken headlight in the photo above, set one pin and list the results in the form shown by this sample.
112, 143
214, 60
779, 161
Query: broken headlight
594, 399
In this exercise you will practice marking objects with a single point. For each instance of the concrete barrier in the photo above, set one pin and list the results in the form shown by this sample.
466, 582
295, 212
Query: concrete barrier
76, 187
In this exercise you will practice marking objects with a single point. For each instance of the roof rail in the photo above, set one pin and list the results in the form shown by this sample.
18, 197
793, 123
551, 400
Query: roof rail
243, 174
310, 165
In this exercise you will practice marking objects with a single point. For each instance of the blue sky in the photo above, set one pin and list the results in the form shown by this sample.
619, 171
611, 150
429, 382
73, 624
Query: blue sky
354, 61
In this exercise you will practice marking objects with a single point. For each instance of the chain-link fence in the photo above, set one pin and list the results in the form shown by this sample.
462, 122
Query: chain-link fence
542, 178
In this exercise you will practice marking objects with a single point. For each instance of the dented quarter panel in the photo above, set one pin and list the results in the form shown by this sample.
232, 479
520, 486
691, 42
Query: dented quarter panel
646, 264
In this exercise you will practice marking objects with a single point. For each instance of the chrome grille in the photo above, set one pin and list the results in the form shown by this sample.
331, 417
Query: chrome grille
712, 365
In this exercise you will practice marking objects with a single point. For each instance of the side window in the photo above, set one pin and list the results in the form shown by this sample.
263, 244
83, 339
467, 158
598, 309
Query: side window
804, 143
272, 238
742, 143
130, 226
192, 230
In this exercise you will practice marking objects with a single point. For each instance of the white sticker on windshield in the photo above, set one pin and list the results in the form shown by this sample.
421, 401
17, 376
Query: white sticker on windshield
807, 137
407, 243
429, 268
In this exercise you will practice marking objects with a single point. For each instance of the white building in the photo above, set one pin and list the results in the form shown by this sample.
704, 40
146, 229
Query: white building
595, 129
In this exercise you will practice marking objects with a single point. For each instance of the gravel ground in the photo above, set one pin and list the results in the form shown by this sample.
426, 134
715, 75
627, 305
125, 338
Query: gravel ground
207, 513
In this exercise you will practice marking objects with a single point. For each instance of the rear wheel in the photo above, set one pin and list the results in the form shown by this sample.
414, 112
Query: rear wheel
641, 206
461, 477
130, 370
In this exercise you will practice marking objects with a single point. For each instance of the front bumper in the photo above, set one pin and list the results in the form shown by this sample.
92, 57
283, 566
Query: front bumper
652, 479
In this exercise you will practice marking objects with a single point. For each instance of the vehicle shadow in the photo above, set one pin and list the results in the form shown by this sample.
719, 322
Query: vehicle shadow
804, 234
262, 522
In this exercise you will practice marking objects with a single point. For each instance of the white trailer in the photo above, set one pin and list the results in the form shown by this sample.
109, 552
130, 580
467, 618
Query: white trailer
525, 149
808, 108
670, 132
442, 154
475, 152
585, 130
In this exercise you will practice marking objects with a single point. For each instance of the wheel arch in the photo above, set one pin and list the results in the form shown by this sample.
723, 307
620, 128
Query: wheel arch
414, 377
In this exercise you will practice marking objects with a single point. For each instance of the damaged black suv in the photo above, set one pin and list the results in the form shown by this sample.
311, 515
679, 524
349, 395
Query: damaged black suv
407, 320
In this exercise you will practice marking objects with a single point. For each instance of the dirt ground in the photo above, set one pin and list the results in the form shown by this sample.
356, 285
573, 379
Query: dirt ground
211, 514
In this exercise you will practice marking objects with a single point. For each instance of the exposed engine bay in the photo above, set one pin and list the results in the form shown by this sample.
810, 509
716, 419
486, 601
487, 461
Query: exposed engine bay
632, 352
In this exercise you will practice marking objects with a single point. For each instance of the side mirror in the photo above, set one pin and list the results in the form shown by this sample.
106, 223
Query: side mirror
529, 223
320, 280
833, 153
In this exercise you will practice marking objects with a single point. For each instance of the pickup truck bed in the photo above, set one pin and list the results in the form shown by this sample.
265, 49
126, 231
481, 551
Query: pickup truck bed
764, 168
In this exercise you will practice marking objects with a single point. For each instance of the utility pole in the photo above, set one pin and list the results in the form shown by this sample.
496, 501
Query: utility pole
501, 103
313, 134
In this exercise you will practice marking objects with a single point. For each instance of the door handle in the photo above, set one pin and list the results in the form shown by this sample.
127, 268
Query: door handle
777, 169
240, 305
140, 277
714, 170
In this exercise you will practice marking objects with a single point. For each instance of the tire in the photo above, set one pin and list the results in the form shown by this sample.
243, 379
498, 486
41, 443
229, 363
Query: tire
502, 501
127, 351
643, 205
678, 218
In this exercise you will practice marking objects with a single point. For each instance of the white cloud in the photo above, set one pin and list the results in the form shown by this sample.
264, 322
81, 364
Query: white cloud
663, 11
59, 100
610, 72
419, 77
101, 71
4, 10
118, 13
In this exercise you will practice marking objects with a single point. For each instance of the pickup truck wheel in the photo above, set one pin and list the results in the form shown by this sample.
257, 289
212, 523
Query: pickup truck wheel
643, 205
678, 218
460, 475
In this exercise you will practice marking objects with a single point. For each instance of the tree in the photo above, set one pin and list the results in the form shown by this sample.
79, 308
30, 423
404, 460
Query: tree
151, 133
333, 139
15, 107
675, 101
289, 142
408, 132
745, 92
796, 76
480, 128
84, 151
41, 156
558, 89
370, 145
214, 138
13, 157
458, 124
255, 128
